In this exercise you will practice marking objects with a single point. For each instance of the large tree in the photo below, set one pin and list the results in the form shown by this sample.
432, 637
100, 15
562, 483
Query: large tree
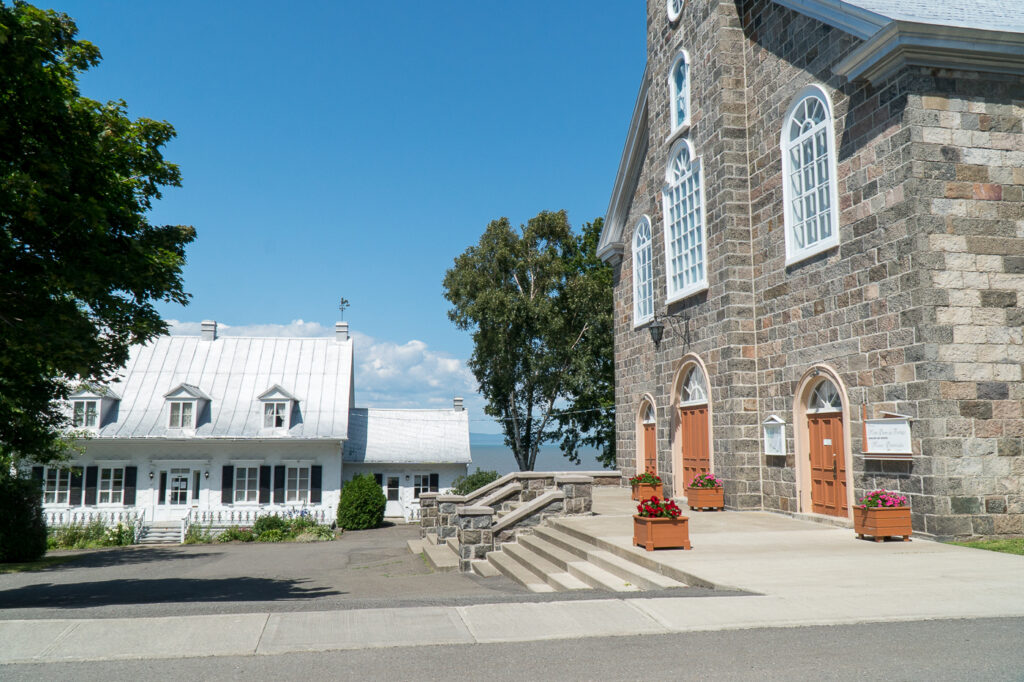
80, 264
539, 305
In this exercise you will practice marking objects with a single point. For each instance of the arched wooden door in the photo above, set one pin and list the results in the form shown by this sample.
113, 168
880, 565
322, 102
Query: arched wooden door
693, 425
825, 446
650, 457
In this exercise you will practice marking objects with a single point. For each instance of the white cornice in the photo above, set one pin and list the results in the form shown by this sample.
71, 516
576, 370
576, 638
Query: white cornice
856, 21
609, 246
904, 43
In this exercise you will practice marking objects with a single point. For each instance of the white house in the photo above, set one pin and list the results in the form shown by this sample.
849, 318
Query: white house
232, 427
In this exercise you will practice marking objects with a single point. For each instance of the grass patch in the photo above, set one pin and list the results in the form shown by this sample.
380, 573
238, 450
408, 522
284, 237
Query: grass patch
1008, 546
44, 563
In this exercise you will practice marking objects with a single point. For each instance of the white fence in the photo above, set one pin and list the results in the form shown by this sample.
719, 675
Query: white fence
85, 517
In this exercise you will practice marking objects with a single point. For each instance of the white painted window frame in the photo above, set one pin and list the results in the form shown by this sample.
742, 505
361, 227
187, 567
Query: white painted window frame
421, 484
673, 294
643, 273
795, 254
694, 371
81, 421
180, 423
105, 485
61, 486
813, 408
679, 127
674, 8
244, 487
280, 409
294, 492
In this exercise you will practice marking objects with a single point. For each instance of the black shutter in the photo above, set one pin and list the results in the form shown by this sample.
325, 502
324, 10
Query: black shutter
264, 485
37, 473
131, 475
316, 477
227, 484
75, 495
433, 483
91, 476
279, 484
163, 488
380, 479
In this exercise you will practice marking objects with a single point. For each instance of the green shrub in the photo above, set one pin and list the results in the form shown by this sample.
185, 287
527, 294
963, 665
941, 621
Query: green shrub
272, 535
120, 535
197, 535
300, 524
265, 523
464, 485
236, 534
78, 536
22, 528
362, 504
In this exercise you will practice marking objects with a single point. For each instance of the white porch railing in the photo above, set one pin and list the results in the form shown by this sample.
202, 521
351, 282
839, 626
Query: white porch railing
112, 517
247, 517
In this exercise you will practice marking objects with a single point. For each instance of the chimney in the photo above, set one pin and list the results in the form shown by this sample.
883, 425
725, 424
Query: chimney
457, 404
341, 331
209, 332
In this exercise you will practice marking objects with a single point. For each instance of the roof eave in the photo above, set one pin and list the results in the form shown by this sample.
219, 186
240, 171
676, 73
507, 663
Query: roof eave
905, 43
609, 246
856, 21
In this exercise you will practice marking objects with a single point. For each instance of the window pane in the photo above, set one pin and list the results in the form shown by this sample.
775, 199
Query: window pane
268, 415
79, 415
90, 414
175, 415
186, 415
393, 488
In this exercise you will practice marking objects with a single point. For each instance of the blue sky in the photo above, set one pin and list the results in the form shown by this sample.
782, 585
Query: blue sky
355, 149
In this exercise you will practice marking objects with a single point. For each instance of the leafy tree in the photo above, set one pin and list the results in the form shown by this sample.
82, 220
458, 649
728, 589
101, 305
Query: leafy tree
80, 265
362, 504
464, 485
539, 305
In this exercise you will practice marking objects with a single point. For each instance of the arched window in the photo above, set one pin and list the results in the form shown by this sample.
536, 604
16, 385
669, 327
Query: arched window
695, 388
683, 206
825, 398
809, 168
648, 414
679, 93
643, 273
675, 8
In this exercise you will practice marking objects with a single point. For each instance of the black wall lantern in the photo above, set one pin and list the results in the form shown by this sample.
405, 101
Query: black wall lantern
657, 329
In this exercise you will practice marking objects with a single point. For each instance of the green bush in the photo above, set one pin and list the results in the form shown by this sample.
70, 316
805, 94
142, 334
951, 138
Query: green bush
120, 535
300, 524
197, 535
272, 535
265, 523
22, 528
464, 485
236, 534
78, 536
362, 504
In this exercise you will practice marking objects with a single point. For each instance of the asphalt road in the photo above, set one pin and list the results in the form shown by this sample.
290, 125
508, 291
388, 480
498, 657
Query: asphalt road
975, 650
362, 569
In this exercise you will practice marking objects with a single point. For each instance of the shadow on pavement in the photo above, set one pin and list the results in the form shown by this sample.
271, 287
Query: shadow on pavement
121, 556
159, 591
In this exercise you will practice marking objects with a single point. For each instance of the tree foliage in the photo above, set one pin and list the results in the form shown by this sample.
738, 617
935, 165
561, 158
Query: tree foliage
539, 304
80, 265
464, 485
362, 504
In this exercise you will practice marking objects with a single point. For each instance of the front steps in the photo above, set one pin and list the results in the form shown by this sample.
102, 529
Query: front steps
553, 558
164, 533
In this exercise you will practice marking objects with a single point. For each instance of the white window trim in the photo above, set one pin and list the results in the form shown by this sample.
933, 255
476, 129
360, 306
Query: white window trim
810, 409
702, 284
679, 127
67, 491
686, 380
234, 485
195, 414
85, 411
672, 12
794, 255
298, 477
287, 415
100, 489
638, 319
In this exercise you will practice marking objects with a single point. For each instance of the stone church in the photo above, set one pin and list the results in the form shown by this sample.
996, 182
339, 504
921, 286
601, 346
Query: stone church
817, 228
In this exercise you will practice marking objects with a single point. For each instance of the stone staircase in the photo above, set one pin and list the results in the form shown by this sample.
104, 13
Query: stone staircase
161, 533
557, 558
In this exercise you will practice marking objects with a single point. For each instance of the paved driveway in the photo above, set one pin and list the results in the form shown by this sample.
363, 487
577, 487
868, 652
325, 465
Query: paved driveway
362, 569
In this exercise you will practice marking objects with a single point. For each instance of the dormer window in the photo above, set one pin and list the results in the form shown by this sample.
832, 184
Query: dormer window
277, 408
182, 415
275, 415
86, 414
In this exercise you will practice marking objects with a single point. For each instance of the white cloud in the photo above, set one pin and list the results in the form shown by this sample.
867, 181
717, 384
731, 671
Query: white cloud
387, 373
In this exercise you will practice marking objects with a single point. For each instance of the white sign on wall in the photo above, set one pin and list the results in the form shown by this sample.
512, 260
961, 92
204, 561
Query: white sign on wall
887, 438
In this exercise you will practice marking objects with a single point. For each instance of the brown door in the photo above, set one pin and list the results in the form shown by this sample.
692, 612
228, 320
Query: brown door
694, 440
828, 464
650, 450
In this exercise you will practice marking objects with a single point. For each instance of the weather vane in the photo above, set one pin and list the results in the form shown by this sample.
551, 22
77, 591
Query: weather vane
342, 304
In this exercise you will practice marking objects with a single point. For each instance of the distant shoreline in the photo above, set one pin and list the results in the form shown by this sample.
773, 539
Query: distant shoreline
499, 458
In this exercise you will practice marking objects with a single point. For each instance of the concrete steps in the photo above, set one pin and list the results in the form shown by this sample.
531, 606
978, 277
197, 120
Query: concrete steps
442, 558
555, 576
161, 534
517, 572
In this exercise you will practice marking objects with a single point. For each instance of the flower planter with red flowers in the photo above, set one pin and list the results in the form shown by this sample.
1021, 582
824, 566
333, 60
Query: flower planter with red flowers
658, 524
882, 514
706, 492
646, 485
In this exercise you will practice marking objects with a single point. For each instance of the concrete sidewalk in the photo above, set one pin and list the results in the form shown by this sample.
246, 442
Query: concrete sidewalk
803, 574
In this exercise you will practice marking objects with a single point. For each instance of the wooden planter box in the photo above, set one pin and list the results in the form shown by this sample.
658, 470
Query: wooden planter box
659, 533
646, 490
706, 498
882, 522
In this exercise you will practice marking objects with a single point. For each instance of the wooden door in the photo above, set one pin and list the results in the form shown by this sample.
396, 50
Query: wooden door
828, 464
694, 441
650, 450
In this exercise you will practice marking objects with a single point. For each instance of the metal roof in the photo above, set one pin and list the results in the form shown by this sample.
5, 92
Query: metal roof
234, 371
990, 15
383, 436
